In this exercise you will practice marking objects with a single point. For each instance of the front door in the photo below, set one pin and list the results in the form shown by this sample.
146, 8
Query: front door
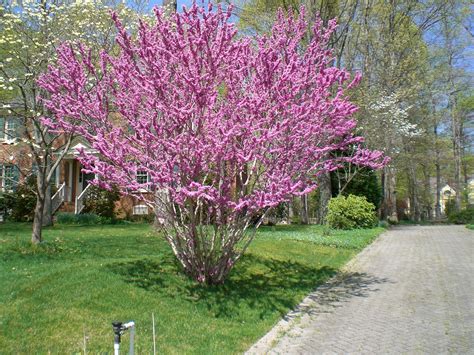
84, 179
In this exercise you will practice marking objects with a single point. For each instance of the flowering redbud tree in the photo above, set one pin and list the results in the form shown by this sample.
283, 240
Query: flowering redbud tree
226, 127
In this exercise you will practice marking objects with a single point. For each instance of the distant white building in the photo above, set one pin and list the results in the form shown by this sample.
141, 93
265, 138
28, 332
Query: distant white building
470, 189
448, 193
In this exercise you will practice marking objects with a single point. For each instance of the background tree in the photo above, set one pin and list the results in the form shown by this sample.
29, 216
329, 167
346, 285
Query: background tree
30, 33
258, 16
449, 59
392, 42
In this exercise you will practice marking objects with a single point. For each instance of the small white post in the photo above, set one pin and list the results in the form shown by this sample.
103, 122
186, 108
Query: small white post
85, 341
154, 337
131, 325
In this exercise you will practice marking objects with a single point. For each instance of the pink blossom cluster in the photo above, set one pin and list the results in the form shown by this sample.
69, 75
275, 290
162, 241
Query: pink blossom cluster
238, 123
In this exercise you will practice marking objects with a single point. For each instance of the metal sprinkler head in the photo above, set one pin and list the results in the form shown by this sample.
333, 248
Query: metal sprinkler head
119, 328
118, 331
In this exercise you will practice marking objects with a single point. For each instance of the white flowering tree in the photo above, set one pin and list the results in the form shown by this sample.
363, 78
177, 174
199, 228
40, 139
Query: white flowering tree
30, 32
386, 123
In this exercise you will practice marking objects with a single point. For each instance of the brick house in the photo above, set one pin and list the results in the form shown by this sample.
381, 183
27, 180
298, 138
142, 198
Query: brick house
70, 184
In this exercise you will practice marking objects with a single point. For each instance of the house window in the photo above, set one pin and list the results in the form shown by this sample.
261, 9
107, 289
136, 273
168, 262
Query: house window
9, 176
54, 178
142, 177
140, 209
9, 129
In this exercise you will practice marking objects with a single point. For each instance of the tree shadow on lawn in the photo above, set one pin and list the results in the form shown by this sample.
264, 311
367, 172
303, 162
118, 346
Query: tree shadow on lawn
256, 285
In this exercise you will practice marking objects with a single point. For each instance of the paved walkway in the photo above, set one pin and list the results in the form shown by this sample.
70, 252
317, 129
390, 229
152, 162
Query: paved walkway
411, 291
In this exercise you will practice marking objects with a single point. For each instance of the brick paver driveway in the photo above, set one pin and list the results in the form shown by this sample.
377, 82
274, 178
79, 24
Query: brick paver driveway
411, 291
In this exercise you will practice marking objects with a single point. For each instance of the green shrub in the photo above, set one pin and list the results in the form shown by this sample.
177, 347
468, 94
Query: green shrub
88, 218
65, 218
5, 204
20, 204
101, 202
450, 207
462, 217
91, 219
296, 219
83, 218
351, 212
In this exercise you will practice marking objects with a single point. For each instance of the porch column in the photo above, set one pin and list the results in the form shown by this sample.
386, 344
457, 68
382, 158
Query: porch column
70, 179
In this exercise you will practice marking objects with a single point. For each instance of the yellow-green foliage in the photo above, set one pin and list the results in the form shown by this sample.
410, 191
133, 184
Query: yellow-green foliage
351, 212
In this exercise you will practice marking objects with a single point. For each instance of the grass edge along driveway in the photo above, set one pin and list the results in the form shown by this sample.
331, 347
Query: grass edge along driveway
61, 297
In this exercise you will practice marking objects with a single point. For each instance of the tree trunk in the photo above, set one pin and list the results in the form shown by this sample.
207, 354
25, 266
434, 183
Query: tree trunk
389, 205
438, 177
47, 211
36, 236
304, 210
291, 211
325, 194
457, 149
457, 163
413, 189
438, 191
456, 125
427, 203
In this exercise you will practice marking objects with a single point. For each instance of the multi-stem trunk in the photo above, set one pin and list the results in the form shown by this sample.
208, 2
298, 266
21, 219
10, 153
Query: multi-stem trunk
206, 251
206, 257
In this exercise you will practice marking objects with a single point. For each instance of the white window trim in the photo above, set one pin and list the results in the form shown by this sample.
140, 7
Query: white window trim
3, 186
140, 210
143, 190
7, 137
143, 174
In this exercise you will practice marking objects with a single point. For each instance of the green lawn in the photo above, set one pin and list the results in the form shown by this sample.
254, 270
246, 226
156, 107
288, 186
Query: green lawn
84, 277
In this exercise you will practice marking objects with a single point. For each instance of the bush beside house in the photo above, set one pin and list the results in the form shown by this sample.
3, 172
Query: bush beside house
101, 202
19, 205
